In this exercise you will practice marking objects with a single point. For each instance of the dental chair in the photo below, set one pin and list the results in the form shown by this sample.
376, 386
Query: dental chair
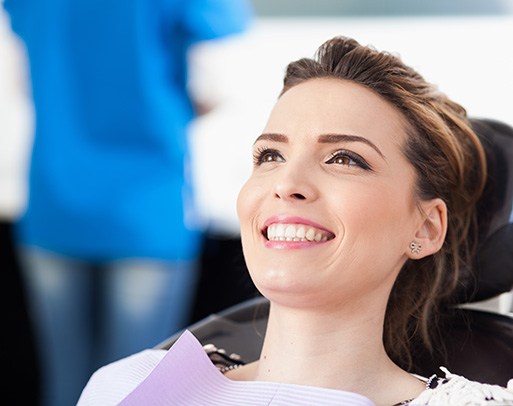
479, 342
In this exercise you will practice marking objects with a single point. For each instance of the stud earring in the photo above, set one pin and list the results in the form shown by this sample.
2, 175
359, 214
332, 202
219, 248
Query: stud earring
415, 247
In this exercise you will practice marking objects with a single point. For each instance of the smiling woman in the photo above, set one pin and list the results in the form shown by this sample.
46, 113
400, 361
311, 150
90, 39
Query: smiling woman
357, 223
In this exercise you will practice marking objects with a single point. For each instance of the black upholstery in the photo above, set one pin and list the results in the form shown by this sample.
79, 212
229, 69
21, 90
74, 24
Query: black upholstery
493, 267
479, 343
479, 346
239, 329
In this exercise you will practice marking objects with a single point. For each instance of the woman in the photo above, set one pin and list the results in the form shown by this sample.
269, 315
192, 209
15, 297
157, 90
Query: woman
356, 224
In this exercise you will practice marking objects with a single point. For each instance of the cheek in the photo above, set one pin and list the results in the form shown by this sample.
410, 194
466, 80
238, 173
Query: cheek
245, 202
249, 204
379, 221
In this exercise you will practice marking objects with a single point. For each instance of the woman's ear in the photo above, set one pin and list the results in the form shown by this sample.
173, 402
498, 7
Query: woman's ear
430, 235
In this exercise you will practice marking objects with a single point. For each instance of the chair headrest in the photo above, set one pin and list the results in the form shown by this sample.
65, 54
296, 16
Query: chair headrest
493, 266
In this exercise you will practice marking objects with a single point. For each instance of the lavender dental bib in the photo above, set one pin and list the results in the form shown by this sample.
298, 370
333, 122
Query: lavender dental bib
186, 376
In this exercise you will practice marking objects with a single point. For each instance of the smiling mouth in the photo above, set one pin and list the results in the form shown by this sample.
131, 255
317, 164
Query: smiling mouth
296, 232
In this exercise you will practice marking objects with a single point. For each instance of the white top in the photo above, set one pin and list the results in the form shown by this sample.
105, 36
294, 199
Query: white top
185, 372
16, 122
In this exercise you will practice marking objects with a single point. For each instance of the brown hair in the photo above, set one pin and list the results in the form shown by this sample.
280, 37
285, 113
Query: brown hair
450, 164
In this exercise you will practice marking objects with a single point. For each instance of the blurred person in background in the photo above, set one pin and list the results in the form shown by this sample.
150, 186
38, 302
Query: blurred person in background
17, 347
109, 240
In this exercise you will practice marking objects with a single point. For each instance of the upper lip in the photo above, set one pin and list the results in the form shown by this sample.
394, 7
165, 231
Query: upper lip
286, 219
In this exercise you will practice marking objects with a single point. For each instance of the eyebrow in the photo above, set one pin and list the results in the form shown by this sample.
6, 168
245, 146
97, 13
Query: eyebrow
335, 138
272, 137
323, 139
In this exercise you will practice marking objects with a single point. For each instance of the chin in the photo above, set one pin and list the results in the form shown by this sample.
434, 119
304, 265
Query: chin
274, 283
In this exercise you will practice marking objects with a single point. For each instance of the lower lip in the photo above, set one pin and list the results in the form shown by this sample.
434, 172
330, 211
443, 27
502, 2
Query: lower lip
292, 245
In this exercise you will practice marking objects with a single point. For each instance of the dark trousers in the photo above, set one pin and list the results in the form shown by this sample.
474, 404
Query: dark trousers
18, 355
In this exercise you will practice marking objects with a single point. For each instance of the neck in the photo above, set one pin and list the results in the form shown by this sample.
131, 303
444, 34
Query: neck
319, 348
342, 350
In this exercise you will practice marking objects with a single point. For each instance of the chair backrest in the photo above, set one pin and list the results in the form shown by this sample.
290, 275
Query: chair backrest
479, 346
239, 329
479, 343
493, 267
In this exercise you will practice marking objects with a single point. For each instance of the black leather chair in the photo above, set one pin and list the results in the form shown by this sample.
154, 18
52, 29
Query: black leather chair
479, 343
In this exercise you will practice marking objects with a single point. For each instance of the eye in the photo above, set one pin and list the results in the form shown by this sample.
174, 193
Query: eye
348, 158
265, 155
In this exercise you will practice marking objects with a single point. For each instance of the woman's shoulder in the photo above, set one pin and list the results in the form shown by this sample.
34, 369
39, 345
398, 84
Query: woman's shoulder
457, 390
113, 382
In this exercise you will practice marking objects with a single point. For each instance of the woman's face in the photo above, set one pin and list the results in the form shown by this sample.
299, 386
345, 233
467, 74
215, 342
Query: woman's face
329, 210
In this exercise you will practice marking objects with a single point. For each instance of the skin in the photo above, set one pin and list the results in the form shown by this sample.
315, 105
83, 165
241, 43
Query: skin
330, 158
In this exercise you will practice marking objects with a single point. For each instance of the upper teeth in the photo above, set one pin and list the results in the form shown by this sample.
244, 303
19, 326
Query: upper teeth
295, 232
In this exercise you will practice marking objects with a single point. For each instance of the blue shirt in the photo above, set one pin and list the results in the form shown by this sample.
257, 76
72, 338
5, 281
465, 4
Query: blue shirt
108, 176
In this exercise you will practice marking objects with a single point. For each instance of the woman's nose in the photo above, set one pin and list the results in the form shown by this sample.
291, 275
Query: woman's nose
294, 185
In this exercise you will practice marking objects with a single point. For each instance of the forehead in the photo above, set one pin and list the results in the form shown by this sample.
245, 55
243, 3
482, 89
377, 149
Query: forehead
324, 106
